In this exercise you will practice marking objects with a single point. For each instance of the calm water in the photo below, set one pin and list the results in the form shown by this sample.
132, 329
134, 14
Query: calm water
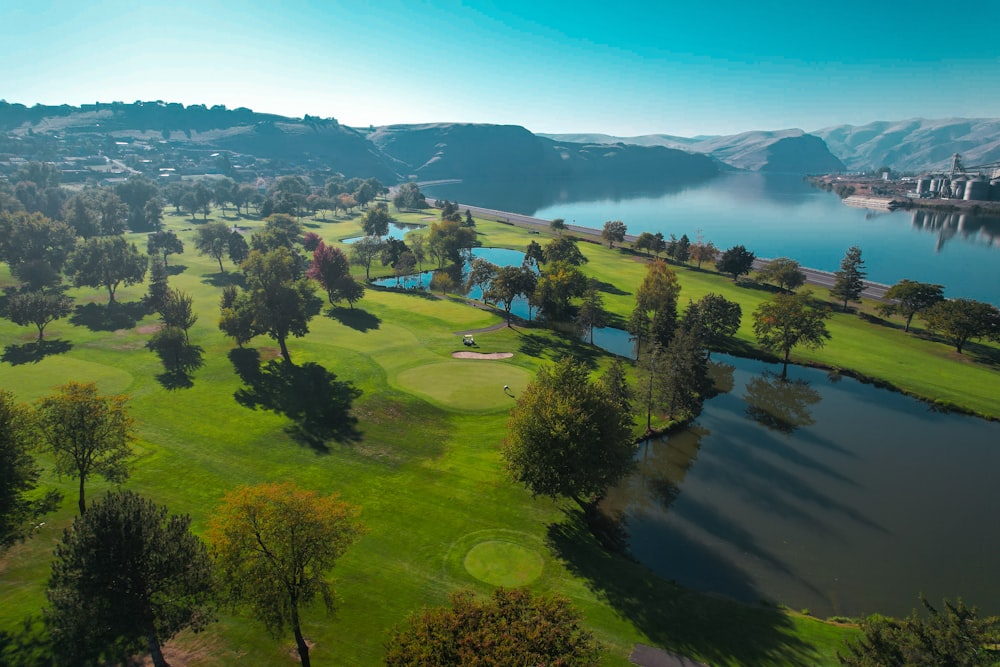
774, 494
779, 215
397, 230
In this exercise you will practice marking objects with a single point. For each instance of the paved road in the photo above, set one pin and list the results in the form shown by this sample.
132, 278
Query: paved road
872, 290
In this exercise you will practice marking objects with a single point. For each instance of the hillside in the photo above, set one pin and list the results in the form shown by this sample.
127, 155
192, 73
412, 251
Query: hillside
779, 151
916, 144
475, 152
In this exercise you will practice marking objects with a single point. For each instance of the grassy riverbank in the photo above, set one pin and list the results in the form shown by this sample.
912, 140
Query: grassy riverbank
424, 464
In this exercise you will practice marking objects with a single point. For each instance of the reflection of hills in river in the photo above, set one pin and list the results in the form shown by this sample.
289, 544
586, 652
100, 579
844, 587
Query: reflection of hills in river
968, 227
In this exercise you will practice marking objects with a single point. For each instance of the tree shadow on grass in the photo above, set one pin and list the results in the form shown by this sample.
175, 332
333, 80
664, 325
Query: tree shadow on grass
355, 318
35, 351
556, 347
225, 279
176, 269
608, 288
710, 628
318, 404
109, 316
179, 362
983, 354
27, 646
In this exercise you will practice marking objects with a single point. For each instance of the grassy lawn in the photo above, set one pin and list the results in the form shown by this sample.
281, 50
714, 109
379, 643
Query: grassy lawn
424, 464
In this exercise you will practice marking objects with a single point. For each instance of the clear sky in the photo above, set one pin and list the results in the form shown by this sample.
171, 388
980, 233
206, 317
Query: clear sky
623, 68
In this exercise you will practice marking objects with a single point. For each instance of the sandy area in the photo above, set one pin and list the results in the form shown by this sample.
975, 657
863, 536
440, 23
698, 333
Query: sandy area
482, 355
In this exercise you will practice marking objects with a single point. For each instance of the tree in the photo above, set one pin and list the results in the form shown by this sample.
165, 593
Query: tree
448, 239
645, 241
960, 320
112, 213
481, 274
783, 272
659, 289
27, 306
156, 291
909, 297
564, 249
557, 226
80, 213
280, 231
273, 545
955, 636
213, 240
418, 246
591, 312
533, 254
567, 435
166, 242
638, 327
714, 318
443, 280
560, 283
32, 241
375, 221
126, 575
152, 214
788, 320
87, 433
235, 320
408, 195
511, 282
614, 230
134, 194
704, 252
737, 261
107, 262
682, 253
330, 268
176, 310
277, 300
18, 473
364, 251
513, 627
238, 248
849, 281
311, 241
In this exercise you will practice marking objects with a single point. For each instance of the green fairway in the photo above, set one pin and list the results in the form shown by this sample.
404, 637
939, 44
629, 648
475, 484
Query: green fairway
423, 462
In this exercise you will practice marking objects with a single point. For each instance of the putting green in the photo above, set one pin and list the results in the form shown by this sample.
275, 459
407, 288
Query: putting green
466, 384
32, 381
503, 563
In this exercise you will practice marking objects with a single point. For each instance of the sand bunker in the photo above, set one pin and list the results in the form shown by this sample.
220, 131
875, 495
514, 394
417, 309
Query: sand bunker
482, 355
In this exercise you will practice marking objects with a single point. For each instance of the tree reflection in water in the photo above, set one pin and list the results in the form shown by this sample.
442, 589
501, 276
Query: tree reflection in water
780, 404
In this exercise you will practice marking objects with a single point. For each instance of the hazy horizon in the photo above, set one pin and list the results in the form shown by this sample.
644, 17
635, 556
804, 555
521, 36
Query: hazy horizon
677, 70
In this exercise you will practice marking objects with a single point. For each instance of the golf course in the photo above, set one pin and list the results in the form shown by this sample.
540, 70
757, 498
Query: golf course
421, 454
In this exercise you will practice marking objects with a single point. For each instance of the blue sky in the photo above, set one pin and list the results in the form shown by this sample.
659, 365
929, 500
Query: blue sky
624, 68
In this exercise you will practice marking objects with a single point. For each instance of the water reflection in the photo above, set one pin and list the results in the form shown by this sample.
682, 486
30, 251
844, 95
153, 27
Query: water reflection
397, 230
780, 404
836, 496
947, 225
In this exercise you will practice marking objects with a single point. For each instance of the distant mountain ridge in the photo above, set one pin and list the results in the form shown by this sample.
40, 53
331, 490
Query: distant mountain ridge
776, 151
917, 144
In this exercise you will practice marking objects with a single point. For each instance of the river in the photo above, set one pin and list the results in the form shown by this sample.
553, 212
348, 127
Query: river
776, 215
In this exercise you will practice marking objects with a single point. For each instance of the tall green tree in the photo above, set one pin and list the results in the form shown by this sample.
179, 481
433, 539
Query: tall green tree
961, 320
212, 239
237, 248
787, 321
736, 261
280, 231
681, 383
107, 262
567, 435
513, 627
87, 433
564, 249
782, 272
364, 251
273, 545
134, 194
614, 232
849, 281
35, 246
481, 274
277, 300
126, 576
714, 318
909, 297
704, 252
177, 311
19, 473
558, 285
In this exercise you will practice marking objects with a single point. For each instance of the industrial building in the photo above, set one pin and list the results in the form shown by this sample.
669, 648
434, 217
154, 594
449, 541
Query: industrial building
979, 182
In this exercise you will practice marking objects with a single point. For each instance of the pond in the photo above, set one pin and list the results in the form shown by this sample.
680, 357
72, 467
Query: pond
820, 492
397, 230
